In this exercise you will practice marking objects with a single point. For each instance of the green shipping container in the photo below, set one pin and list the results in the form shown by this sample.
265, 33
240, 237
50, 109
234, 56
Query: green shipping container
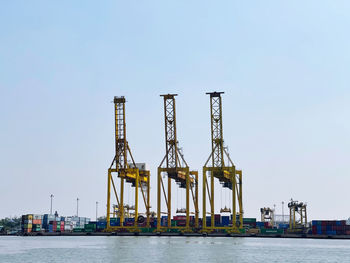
91, 227
268, 231
144, 230
242, 231
249, 220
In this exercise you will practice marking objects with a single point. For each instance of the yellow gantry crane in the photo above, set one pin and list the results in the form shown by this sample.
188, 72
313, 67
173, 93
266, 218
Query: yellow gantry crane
226, 173
176, 168
297, 215
126, 172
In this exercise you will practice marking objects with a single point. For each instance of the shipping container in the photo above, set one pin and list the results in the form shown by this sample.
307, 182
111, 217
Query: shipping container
36, 221
37, 217
90, 226
249, 220
179, 218
283, 226
271, 231
225, 220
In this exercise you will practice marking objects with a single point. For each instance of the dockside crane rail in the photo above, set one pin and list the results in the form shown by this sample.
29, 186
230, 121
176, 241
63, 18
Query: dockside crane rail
175, 167
126, 173
224, 171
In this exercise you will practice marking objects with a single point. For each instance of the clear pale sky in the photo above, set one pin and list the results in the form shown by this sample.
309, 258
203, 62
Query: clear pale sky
283, 65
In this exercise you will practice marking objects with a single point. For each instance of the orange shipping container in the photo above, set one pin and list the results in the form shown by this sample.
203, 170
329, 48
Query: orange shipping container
37, 221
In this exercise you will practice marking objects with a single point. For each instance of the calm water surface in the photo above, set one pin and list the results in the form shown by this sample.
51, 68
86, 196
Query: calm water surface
171, 249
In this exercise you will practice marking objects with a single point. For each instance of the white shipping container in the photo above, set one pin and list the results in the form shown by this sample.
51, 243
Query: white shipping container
49, 217
68, 227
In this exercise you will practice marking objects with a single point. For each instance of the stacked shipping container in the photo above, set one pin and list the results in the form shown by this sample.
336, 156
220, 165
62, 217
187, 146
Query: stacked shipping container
27, 223
51, 223
326, 227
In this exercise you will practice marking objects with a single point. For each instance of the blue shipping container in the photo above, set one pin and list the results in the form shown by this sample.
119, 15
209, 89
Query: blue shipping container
259, 224
101, 223
225, 220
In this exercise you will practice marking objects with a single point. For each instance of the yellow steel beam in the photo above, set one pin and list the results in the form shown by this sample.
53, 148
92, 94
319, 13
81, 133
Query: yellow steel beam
187, 199
204, 220
148, 203
159, 178
196, 223
121, 207
212, 211
108, 198
233, 178
115, 191
240, 197
136, 198
169, 202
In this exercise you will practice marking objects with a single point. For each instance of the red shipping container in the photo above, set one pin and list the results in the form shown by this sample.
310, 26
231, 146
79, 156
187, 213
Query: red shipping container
181, 223
179, 217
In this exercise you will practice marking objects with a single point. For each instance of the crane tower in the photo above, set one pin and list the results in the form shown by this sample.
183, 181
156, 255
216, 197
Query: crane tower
224, 170
175, 168
125, 172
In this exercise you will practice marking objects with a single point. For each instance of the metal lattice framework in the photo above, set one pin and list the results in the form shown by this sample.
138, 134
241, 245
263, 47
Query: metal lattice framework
120, 130
139, 178
226, 173
176, 168
216, 134
170, 132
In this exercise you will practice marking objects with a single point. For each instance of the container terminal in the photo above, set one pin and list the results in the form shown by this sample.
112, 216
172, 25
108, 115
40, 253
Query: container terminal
219, 170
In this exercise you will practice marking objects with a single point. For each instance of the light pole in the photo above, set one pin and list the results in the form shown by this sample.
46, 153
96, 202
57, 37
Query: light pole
96, 209
283, 211
77, 206
51, 196
274, 214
